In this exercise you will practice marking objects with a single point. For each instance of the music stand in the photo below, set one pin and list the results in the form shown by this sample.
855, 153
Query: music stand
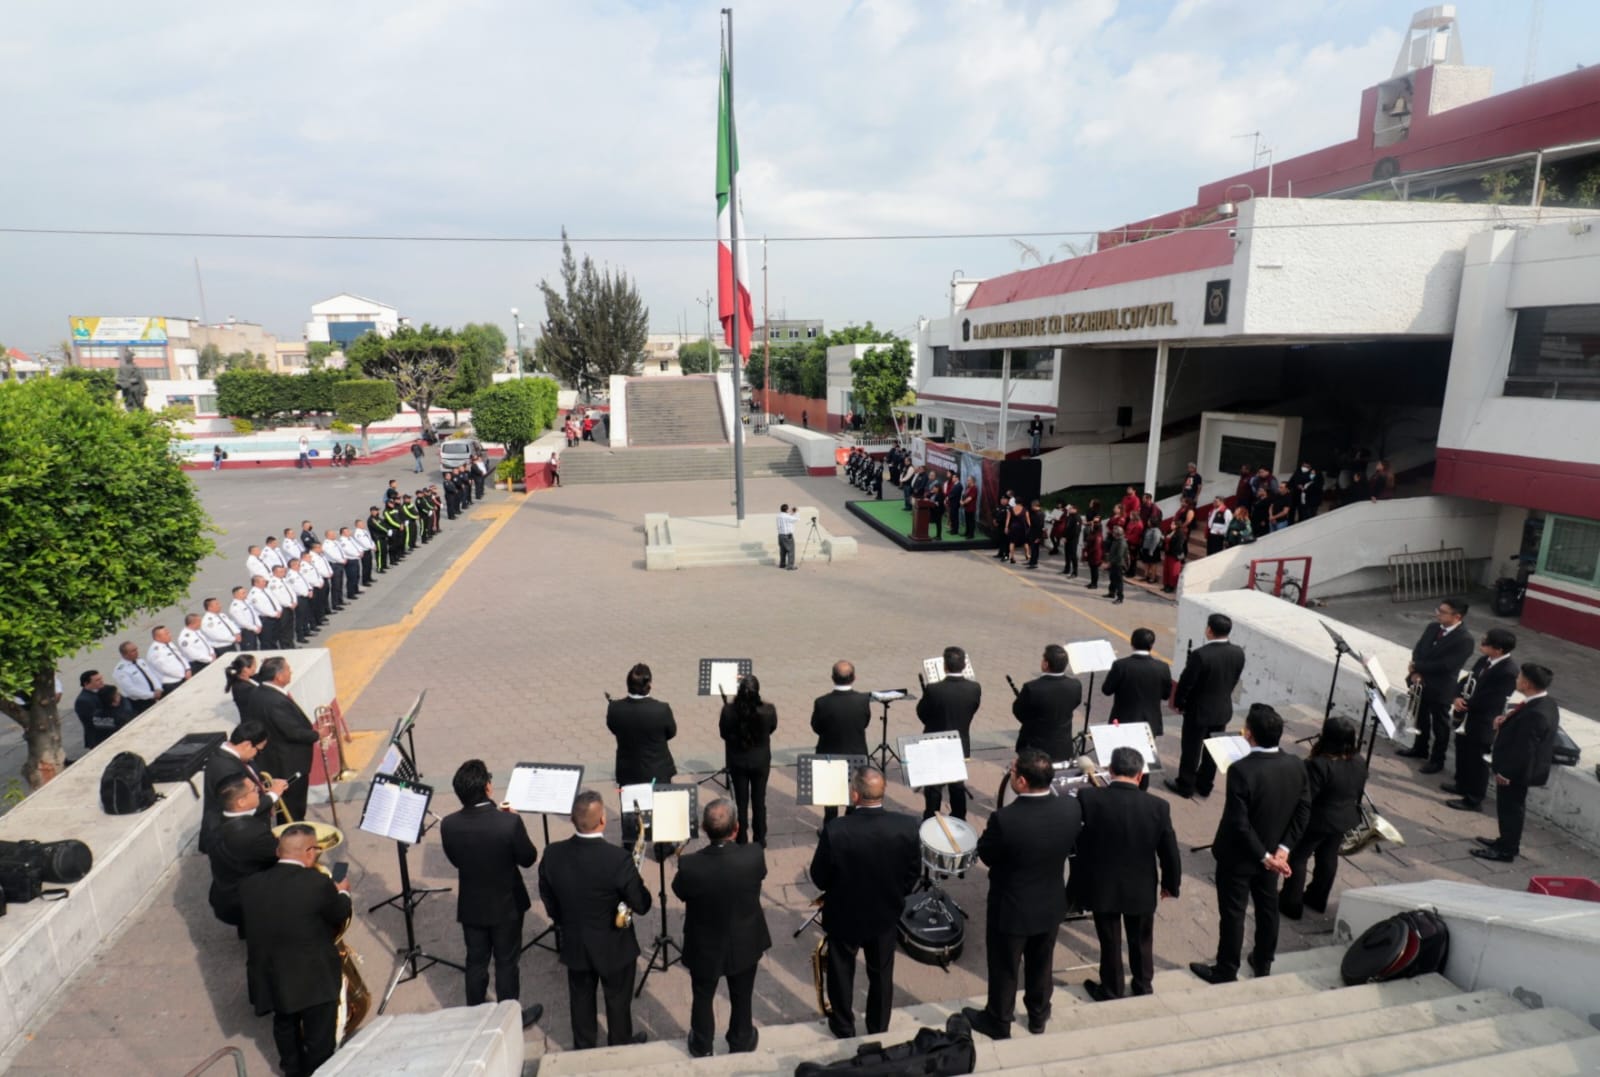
546, 789
809, 785
932, 759
1341, 648
1135, 735
721, 676
1089, 656
881, 755
398, 810
399, 764
672, 821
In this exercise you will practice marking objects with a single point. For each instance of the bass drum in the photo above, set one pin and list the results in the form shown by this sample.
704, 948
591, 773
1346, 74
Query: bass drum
932, 930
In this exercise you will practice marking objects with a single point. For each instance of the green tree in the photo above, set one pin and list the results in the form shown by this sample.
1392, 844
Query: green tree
595, 324
699, 357
420, 362
755, 371
317, 353
786, 367
101, 383
71, 573
483, 349
514, 413
880, 379
210, 361
363, 402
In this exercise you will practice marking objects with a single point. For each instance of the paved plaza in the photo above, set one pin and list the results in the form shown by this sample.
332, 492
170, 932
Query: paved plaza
519, 621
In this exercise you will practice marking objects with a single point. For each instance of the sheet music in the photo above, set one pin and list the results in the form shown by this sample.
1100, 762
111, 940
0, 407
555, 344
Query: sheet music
830, 783
391, 760
933, 760
396, 811
669, 819
1226, 751
546, 789
933, 670
889, 695
1375, 671
725, 678
1108, 738
1378, 708
1090, 656
639, 797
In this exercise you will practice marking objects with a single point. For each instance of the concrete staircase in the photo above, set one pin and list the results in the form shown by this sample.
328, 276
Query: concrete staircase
1299, 1020
674, 411
589, 464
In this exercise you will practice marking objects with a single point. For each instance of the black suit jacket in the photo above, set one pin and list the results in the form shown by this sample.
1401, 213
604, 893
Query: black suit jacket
1205, 689
866, 863
489, 848
1438, 659
290, 734
1026, 845
1526, 743
948, 705
1492, 686
1044, 707
840, 719
1141, 685
1127, 835
758, 753
1264, 791
240, 847
1331, 803
642, 728
581, 880
221, 765
292, 915
724, 929
243, 689
85, 706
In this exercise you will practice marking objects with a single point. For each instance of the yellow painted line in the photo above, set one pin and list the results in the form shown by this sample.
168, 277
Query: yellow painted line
1119, 634
359, 654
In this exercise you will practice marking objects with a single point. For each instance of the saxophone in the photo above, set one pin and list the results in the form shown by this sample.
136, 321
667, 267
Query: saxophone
624, 917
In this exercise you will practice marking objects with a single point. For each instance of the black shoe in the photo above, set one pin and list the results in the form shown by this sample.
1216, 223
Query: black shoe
1494, 853
1431, 767
1202, 793
1097, 992
1174, 787
640, 1037
1118, 602
1211, 974
1450, 787
530, 1014
981, 1021
1490, 843
1464, 804
1037, 1027
1412, 753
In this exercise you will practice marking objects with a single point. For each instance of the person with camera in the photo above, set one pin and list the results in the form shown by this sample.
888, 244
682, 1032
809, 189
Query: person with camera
787, 521
746, 725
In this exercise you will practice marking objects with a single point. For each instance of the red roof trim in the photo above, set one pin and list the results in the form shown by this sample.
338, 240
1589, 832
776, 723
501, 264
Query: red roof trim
1181, 252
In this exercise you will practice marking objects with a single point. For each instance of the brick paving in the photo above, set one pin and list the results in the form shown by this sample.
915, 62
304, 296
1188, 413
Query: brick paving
516, 656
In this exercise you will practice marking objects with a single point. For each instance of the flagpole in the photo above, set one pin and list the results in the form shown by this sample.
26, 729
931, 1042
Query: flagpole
733, 226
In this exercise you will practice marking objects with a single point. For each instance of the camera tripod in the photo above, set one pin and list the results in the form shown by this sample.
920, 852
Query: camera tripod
812, 532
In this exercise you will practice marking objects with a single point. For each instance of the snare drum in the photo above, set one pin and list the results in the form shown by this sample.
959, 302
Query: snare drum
938, 855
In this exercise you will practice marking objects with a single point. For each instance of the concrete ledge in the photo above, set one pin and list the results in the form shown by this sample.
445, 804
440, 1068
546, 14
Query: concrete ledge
481, 1041
44, 943
1543, 951
716, 541
816, 448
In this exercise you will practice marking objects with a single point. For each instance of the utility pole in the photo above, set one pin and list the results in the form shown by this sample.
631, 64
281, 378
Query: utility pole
766, 336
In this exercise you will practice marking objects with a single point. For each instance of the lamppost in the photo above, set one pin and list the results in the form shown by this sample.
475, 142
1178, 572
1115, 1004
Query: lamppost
517, 360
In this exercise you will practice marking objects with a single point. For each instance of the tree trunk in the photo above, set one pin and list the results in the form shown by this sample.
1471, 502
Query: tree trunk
364, 438
43, 732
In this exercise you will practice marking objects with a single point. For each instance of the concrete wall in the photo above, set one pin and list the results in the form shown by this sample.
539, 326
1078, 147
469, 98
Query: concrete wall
1349, 547
618, 426
1282, 430
816, 448
1095, 465
44, 943
462, 1041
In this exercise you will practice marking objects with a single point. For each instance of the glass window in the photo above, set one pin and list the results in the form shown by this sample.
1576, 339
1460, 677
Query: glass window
811, 333
1555, 353
1571, 549
1026, 363
1236, 453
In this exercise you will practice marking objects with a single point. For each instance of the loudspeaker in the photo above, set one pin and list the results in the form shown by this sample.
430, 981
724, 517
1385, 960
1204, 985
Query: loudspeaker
1125, 415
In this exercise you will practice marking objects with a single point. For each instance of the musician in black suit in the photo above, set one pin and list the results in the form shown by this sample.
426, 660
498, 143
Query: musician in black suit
1139, 683
1483, 699
1205, 698
1336, 778
1127, 835
581, 882
746, 726
1436, 663
489, 849
724, 930
1045, 706
1524, 748
290, 734
235, 758
293, 915
1025, 845
642, 726
865, 864
948, 705
840, 719
1251, 846
242, 844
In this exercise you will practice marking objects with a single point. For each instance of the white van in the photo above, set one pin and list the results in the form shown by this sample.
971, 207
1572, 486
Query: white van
458, 452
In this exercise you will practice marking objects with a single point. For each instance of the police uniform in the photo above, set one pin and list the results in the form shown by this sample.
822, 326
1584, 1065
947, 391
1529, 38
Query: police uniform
194, 649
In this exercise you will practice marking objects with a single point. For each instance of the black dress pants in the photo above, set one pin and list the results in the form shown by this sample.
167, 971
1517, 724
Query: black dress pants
1141, 950
750, 800
1321, 851
702, 1017
1472, 773
618, 988
1197, 771
933, 797
366, 567
1071, 567
305, 1039
248, 639
1114, 572
502, 941
1238, 887
1034, 953
1511, 806
841, 976
1433, 728
1094, 575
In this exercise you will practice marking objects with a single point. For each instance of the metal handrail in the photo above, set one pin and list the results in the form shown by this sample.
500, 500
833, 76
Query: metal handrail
217, 1056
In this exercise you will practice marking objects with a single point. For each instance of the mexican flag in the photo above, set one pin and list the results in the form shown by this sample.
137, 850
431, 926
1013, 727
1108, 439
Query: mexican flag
733, 298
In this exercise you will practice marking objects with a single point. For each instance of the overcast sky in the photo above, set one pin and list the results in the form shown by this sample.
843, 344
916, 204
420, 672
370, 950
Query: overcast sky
486, 118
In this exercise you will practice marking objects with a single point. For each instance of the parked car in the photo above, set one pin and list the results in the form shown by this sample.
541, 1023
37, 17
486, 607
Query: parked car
458, 452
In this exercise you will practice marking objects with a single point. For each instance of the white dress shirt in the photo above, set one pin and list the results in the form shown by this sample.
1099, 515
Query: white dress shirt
321, 563
192, 646
136, 680
272, 557
298, 582
291, 548
257, 566
364, 540
331, 552
349, 548
218, 630
165, 660
241, 613
269, 601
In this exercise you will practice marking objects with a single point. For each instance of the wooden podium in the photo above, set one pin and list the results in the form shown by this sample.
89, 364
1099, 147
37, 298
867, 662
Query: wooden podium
921, 513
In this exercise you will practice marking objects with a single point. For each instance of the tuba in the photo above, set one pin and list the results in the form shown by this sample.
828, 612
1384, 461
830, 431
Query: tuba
354, 998
819, 965
624, 917
1372, 828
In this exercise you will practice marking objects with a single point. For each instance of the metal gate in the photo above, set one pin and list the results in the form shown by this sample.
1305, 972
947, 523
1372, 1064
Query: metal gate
1428, 573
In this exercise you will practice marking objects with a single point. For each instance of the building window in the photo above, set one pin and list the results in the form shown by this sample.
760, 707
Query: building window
1555, 353
811, 333
1027, 364
666, 364
1571, 550
1235, 453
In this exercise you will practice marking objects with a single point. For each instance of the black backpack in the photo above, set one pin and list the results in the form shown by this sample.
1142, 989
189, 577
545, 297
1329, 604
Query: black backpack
65, 861
1407, 944
125, 786
931, 1054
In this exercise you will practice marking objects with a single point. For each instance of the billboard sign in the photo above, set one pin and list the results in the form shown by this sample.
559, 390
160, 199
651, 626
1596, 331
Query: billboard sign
118, 331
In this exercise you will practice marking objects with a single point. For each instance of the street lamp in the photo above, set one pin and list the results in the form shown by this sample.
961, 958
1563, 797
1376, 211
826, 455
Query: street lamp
517, 358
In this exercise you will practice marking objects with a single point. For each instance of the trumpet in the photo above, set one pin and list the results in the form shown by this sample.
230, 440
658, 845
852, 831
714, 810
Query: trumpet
279, 807
624, 917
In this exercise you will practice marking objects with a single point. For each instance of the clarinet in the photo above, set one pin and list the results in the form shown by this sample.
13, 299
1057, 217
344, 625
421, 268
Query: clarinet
1005, 780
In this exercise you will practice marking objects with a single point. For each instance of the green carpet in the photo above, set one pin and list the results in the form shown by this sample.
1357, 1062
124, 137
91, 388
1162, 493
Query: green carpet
892, 515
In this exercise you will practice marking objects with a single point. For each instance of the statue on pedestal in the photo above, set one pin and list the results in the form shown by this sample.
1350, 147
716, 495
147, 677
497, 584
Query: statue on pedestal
130, 381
